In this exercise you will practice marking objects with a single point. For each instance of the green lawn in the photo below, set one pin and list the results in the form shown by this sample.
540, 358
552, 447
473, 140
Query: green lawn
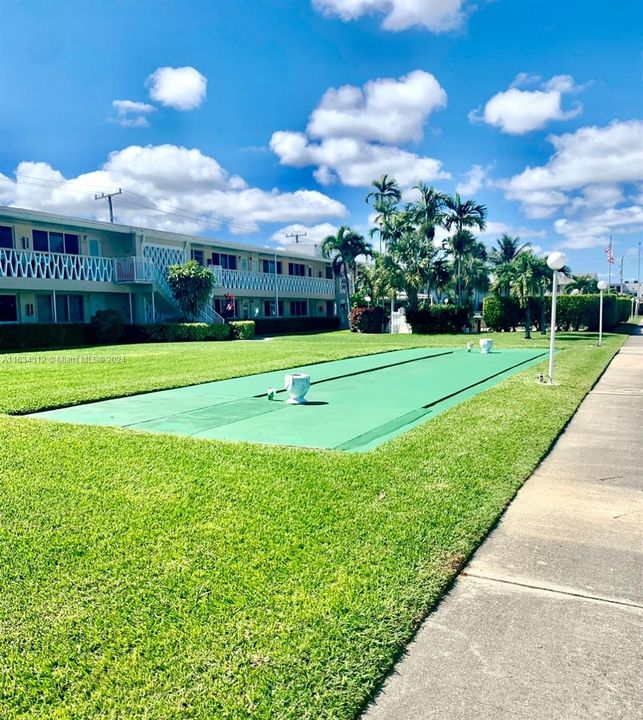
151, 576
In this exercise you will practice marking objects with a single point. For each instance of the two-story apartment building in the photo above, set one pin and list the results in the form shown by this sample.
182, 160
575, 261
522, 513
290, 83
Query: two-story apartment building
57, 269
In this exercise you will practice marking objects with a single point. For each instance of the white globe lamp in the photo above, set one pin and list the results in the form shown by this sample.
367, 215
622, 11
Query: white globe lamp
555, 261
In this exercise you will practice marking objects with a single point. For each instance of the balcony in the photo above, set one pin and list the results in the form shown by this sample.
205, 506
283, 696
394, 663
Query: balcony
265, 282
55, 266
133, 270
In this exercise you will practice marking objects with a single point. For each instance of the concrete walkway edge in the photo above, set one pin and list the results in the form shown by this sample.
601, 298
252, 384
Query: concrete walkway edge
546, 621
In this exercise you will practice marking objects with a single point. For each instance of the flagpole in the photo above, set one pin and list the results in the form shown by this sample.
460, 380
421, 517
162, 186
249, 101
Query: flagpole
609, 267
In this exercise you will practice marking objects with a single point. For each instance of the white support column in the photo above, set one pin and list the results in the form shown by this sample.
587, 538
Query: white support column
54, 313
153, 307
131, 312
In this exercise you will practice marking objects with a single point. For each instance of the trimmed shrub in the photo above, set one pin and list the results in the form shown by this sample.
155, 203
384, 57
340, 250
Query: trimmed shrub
289, 326
242, 329
191, 286
438, 319
41, 335
577, 312
179, 332
107, 327
367, 319
501, 313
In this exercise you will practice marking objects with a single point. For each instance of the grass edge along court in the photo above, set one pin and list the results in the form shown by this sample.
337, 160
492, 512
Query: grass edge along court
159, 576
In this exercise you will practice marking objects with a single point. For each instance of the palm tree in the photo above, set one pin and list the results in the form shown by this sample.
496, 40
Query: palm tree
506, 249
384, 199
428, 211
526, 283
462, 216
344, 248
585, 284
386, 189
413, 264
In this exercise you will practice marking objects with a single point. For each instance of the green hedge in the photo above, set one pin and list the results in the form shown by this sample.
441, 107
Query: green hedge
177, 332
576, 312
242, 329
438, 319
289, 326
37, 335
501, 313
573, 312
367, 319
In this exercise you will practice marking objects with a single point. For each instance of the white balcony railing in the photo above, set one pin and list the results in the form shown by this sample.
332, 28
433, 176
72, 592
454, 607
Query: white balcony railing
247, 280
133, 270
55, 266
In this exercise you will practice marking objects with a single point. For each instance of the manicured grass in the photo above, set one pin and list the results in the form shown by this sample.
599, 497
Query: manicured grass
40, 380
150, 576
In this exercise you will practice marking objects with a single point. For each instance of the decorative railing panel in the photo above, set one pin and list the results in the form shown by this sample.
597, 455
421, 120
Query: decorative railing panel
55, 266
246, 280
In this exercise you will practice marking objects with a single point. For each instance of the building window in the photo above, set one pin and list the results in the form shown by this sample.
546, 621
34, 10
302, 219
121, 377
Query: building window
6, 236
268, 266
69, 308
269, 307
43, 308
298, 269
8, 308
298, 308
197, 255
55, 242
228, 262
329, 272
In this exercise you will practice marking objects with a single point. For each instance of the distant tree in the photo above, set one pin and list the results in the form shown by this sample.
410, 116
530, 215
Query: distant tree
526, 283
462, 216
585, 284
343, 249
191, 286
506, 249
384, 200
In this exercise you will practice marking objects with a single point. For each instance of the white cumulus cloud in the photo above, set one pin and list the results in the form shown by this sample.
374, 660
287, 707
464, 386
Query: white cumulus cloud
353, 134
587, 185
182, 88
608, 155
384, 110
473, 181
434, 15
517, 111
166, 187
130, 113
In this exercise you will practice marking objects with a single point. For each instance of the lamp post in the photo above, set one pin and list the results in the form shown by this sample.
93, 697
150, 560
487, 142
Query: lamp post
555, 262
602, 285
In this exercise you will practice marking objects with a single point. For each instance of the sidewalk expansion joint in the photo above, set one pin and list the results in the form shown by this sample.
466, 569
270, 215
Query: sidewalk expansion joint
569, 593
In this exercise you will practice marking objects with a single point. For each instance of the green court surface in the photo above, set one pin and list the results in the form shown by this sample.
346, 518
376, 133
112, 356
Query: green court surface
354, 404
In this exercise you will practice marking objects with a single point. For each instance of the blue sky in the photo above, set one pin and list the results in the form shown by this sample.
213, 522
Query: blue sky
532, 107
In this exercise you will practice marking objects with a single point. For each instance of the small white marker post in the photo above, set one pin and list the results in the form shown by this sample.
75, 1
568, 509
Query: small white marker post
556, 262
602, 285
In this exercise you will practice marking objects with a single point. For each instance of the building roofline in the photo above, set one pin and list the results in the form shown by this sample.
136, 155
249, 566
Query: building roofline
40, 216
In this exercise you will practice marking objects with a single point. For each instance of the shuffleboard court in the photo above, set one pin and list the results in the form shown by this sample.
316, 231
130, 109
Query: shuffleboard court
354, 404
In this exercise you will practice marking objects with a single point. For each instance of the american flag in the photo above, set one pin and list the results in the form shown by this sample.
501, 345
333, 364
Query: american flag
610, 254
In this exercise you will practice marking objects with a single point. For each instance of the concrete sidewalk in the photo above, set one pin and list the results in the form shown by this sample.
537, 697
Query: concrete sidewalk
546, 621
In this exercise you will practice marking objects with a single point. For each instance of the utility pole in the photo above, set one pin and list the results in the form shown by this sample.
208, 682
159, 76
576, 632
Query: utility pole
638, 272
109, 197
622, 259
297, 235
